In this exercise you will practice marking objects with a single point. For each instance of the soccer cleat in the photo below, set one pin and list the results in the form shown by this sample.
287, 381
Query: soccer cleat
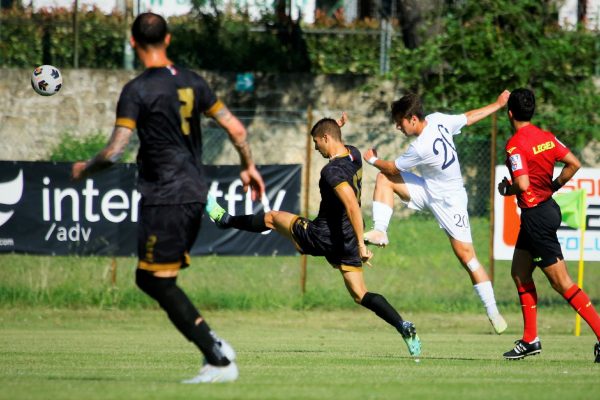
225, 348
213, 374
377, 238
498, 323
597, 352
409, 334
215, 212
523, 349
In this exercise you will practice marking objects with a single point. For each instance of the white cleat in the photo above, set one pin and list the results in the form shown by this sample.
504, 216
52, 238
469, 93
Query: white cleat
377, 238
226, 349
498, 323
213, 374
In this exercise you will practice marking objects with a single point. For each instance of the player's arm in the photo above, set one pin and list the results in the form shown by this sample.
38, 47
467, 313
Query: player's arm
572, 165
385, 166
110, 154
477, 115
347, 196
238, 136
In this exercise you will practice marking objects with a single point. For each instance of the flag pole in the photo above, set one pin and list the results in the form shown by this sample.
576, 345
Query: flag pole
582, 222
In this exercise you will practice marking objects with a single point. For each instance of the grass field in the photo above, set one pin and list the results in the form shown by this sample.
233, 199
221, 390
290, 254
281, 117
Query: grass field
349, 354
70, 329
417, 272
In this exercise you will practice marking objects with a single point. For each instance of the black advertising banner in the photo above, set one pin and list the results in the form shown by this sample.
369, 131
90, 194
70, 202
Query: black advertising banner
42, 211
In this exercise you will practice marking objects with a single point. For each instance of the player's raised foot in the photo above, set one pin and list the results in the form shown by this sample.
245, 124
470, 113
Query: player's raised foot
377, 238
498, 323
597, 352
216, 213
409, 334
523, 349
213, 374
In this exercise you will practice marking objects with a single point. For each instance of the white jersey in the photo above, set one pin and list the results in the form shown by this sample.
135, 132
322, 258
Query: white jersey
433, 154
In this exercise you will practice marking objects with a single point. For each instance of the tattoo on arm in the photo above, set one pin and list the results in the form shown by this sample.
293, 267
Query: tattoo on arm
243, 149
112, 152
223, 115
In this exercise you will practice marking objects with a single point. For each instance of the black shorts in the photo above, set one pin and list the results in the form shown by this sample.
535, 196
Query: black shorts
316, 240
538, 233
166, 234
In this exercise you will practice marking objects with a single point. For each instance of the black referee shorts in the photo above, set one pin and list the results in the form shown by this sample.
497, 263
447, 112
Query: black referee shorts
316, 240
166, 234
538, 233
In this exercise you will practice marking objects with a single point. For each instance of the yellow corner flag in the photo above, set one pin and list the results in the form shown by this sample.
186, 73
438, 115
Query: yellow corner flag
573, 209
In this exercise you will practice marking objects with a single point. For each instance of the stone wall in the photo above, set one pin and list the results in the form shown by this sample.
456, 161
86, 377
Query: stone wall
276, 113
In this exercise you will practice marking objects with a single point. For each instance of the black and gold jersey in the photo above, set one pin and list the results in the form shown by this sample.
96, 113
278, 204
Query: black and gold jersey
345, 169
164, 105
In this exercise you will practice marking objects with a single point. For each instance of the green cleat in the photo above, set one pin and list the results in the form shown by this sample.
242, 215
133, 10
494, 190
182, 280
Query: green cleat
215, 212
409, 334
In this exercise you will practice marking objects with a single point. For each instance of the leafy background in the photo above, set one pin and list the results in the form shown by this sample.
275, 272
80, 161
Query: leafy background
469, 51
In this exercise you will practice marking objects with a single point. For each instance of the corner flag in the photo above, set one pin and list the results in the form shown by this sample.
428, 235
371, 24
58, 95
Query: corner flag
573, 209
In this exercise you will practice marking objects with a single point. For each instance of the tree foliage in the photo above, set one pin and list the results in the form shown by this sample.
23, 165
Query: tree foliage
468, 52
489, 45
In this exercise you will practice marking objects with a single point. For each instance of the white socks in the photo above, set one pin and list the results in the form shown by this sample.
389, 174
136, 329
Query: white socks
382, 213
486, 293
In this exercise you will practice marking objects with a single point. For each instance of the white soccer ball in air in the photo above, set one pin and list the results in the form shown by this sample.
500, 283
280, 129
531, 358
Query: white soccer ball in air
46, 80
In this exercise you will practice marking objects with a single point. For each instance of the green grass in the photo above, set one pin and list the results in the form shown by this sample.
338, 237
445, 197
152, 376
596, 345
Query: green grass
417, 272
69, 330
344, 354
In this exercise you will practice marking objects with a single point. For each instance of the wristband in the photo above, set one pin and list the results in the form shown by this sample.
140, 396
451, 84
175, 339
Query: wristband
556, 185
372, 160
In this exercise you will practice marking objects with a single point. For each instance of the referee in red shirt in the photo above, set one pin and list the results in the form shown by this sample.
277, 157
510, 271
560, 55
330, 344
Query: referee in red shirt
531, 154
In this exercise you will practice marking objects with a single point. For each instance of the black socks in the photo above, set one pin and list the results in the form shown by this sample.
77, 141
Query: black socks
384, 310
182, 314
250, 222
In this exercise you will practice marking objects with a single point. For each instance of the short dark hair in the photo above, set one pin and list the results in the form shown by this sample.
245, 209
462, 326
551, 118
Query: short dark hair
410, 104
149, 29
329, 126
521, 103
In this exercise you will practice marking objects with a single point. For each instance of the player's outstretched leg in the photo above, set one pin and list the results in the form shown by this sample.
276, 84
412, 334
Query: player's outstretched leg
249, 222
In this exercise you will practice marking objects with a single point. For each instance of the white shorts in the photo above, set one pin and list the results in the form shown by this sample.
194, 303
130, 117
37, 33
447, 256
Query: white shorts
450, 210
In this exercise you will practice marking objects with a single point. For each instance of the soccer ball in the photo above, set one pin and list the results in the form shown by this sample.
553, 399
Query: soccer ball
46, 80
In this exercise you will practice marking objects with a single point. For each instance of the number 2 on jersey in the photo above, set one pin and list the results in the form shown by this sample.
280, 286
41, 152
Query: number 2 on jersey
445, 143
186, 98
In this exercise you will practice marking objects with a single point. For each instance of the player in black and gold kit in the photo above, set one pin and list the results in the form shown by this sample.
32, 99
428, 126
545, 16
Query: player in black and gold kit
163, 105
337, 231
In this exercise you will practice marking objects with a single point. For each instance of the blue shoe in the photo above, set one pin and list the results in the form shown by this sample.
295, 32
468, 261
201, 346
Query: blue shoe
409, 334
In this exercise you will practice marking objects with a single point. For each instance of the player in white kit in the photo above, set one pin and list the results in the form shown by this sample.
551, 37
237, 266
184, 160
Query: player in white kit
438, 187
